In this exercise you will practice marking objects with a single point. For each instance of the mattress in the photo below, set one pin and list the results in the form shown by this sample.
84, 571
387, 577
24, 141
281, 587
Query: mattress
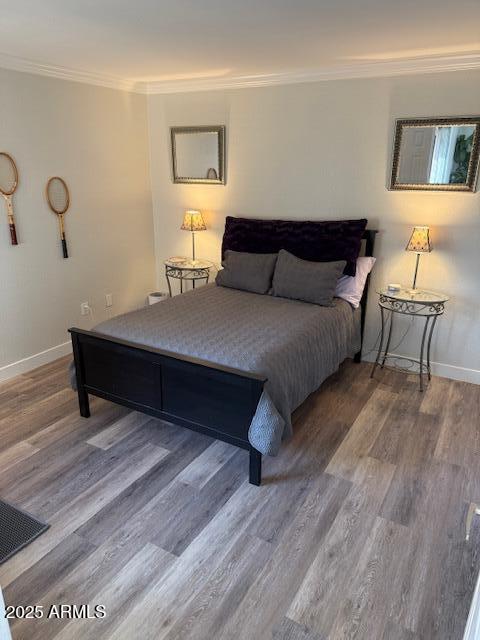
295, 345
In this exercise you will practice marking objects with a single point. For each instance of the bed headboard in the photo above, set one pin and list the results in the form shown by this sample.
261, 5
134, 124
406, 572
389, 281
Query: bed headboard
319, 241
369, 247
369, 238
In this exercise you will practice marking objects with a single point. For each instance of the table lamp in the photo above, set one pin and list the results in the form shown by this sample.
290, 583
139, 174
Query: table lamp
419, 243
193, 221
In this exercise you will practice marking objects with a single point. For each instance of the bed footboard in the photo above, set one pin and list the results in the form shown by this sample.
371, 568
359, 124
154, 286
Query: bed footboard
211, 399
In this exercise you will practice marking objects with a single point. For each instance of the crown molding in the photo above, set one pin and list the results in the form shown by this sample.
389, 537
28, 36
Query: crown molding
63, 73
406, 66
375, 69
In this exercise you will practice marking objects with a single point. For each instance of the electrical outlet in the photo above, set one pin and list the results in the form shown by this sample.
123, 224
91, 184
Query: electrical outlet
108, 300
84, 308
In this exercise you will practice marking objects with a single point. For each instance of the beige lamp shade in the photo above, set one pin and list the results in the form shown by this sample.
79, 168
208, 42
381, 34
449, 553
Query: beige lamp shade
419, 240
193, 221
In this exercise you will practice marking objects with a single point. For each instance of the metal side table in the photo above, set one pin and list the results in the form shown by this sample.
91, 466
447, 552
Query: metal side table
186, 269
417, 303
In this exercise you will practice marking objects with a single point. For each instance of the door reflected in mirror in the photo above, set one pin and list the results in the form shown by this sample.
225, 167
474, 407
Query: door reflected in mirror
198, 154
436, 154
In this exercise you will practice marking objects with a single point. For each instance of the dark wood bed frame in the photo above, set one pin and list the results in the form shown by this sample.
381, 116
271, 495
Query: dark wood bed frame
205, 397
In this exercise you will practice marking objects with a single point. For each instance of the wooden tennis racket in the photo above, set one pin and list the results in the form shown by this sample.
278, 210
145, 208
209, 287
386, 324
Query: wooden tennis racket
8, 185
58, 199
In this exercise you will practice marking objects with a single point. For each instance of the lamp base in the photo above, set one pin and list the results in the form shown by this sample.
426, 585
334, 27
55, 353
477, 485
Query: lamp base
415, 275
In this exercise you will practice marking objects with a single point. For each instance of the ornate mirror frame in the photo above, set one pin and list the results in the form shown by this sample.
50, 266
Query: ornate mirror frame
471, 180
220, 131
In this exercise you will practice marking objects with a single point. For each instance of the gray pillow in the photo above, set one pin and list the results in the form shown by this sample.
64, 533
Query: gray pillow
305, 280
247, 271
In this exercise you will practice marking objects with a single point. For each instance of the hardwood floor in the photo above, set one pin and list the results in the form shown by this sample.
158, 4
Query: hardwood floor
358, 530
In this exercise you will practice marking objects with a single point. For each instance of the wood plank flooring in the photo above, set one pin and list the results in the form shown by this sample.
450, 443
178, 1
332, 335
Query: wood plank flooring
358, 530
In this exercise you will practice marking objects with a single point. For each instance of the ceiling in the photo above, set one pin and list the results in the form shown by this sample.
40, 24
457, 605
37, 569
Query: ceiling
208, 43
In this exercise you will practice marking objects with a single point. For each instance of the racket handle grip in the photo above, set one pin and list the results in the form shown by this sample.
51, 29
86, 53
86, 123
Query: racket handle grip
13, 233
64, 248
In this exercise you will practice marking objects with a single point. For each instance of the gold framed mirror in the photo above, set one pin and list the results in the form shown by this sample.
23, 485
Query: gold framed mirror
198, 154
436, 154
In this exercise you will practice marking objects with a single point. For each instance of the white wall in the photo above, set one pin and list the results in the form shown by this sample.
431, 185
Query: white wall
323, 151
96, 139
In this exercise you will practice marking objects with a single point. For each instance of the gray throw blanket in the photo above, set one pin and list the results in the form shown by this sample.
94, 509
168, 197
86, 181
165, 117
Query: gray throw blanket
295, 345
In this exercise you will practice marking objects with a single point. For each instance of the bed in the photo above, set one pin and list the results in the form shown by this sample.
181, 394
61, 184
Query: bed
224, 362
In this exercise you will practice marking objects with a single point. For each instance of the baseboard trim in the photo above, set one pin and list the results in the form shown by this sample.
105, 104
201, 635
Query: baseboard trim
49, 355
456, 373
32, 362
442, 370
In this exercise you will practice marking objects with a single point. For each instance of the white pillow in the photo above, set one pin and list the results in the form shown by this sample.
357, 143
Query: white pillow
350, 288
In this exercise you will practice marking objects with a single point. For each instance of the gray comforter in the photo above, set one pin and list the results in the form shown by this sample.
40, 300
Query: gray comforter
295, 345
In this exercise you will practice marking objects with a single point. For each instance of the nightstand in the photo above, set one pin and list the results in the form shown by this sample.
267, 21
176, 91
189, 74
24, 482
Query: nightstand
415, 303
184, 269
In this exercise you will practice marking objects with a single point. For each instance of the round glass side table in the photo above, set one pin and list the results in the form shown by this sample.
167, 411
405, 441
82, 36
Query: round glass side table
186, 269
410, 302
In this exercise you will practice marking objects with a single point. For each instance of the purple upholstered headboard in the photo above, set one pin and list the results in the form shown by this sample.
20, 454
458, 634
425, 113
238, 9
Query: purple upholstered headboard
324, 241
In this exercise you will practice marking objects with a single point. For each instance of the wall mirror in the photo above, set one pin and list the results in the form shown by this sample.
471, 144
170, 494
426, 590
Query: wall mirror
437, 154
198, 154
